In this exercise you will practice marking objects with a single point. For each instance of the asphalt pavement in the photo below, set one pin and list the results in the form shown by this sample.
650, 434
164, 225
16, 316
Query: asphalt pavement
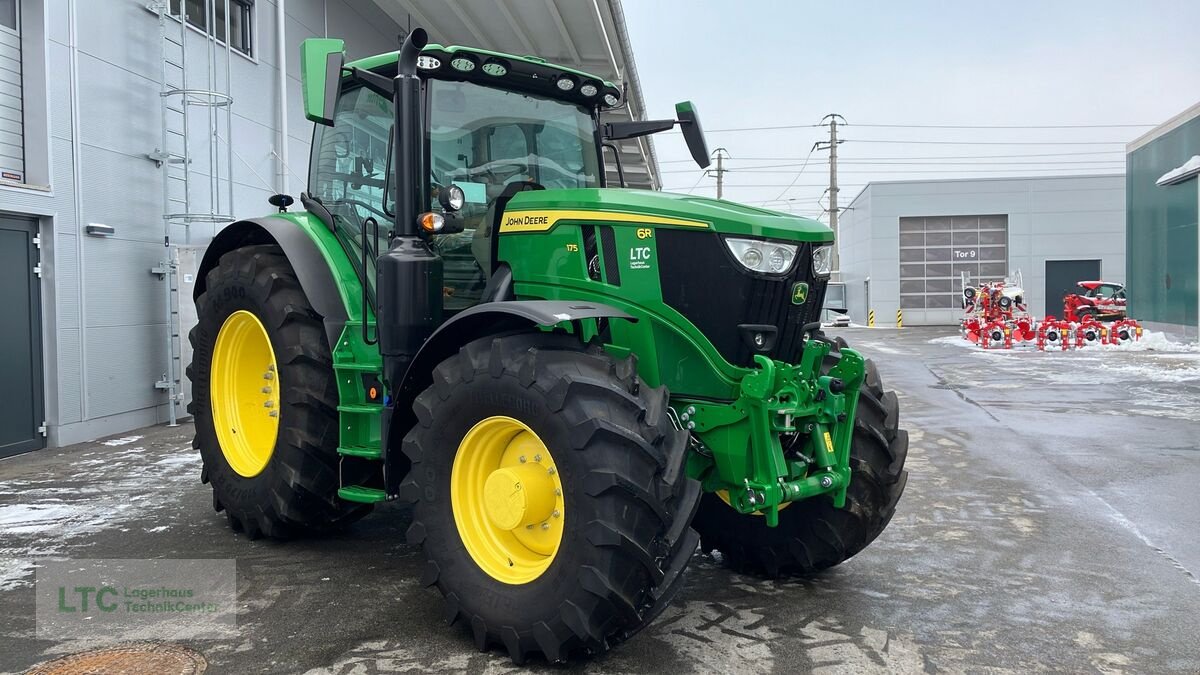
1051, 523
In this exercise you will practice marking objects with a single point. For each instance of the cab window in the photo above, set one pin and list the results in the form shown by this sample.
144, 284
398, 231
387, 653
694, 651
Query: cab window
483, 140
346, 173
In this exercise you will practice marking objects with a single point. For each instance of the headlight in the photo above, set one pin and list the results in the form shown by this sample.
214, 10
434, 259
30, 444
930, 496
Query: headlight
762, 256
822, 260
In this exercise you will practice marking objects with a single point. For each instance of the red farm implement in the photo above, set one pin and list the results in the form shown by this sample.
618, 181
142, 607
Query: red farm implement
995, 316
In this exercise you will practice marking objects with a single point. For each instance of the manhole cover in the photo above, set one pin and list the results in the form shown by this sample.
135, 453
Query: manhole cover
139, 659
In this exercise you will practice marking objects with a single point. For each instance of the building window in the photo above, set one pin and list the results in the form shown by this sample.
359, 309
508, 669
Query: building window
936, 252
238, 25
8, 14
12, 96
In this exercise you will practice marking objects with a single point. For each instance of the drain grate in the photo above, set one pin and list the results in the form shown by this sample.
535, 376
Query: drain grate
135, 659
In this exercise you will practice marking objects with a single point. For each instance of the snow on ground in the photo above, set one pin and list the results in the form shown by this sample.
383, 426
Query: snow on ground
126, 440
43, 514
1158, 377
1152, 341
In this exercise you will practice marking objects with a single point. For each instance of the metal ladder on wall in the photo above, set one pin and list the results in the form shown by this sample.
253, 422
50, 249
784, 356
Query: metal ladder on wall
197, 175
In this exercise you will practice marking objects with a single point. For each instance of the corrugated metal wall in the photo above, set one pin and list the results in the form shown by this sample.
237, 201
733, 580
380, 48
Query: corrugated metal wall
106, 325
1163, 235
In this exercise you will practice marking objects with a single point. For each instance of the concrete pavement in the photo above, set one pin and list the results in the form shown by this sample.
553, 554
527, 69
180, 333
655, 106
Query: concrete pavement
1051, 523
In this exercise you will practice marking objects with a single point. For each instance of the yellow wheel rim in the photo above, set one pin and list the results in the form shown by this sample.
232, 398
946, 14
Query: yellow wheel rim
245, 393
507, 499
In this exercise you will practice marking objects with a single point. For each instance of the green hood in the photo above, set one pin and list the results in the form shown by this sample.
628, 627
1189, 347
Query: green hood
723, 216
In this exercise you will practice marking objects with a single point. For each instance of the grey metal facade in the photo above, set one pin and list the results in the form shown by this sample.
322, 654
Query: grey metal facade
91, 79
1040, 219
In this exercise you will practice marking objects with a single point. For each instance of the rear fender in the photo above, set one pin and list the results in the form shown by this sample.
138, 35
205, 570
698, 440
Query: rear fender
304, 255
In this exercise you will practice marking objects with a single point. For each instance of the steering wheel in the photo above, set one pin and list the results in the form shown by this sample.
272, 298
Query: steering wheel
493, 170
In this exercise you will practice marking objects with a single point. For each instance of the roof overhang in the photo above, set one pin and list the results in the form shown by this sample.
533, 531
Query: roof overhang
587, 35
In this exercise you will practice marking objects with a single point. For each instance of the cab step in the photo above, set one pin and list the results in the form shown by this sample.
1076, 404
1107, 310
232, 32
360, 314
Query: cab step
363, 451
362, 495
360, 408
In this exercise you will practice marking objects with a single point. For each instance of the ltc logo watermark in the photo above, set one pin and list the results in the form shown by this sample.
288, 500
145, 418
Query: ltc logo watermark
147, 599
799, 293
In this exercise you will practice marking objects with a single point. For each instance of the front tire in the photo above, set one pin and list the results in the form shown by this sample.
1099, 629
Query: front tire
264, 400
617, 538
812, 535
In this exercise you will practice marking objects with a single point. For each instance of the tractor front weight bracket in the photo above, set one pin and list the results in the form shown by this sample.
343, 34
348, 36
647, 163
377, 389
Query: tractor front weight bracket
743, 453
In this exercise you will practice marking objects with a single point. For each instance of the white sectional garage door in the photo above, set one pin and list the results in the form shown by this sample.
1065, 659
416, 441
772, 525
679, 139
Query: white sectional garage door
935, 251
12, 126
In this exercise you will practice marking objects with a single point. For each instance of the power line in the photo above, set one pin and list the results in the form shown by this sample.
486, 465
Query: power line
782, 127
1043, 154
703, 174
802, 167
784, 168
1003, 126
873, 172
767, 185
881, 140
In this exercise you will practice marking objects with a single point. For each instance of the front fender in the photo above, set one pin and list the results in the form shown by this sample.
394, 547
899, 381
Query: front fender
489, 318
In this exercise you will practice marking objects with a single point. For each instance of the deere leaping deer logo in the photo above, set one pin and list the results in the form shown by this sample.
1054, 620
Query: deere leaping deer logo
799, 293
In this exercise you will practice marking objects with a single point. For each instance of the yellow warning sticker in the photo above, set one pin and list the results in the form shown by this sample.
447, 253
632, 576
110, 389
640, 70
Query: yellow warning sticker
828, 442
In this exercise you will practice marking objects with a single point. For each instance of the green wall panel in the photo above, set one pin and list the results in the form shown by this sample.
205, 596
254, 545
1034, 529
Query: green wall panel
1163, 238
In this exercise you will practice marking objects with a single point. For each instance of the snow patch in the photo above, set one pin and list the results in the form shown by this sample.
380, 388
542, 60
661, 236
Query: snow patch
48, 518
126, 440
954, 341
1179, 174
1152, 341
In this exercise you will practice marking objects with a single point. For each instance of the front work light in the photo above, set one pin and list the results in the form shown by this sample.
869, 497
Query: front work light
428, 62
452, 197
462, 64
495, 68
762, 256
822, 260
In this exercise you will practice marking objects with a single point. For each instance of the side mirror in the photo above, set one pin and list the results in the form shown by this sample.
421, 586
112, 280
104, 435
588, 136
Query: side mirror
693, 133
281, 202
321, 61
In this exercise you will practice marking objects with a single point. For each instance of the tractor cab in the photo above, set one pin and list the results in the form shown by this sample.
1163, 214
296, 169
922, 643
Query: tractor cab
489, 125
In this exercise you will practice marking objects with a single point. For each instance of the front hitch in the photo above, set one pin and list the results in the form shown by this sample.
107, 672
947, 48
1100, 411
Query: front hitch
785, 438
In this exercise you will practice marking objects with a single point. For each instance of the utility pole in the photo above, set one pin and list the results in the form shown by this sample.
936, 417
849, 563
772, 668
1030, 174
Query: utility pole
720, 155
831, 120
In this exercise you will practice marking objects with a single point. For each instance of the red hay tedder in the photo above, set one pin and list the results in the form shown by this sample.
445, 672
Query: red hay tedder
996, 317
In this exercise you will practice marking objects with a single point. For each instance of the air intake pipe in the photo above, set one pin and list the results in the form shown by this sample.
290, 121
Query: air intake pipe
409, 276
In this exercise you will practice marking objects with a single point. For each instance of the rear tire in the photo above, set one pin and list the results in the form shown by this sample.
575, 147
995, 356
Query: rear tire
627, 501
296, 492
812, 535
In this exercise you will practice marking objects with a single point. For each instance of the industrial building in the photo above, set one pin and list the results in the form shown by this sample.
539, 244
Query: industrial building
123, 127
1163, 237
905, 245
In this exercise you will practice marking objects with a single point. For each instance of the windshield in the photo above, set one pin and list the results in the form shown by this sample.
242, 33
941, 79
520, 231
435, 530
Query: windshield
482, 140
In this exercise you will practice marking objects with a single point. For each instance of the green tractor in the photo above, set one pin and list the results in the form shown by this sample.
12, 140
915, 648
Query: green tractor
576, 385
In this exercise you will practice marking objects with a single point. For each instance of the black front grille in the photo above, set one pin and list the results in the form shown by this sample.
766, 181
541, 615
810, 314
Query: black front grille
701, 280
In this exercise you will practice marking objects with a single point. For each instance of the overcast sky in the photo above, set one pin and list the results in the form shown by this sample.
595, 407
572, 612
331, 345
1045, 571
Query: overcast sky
759, 63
